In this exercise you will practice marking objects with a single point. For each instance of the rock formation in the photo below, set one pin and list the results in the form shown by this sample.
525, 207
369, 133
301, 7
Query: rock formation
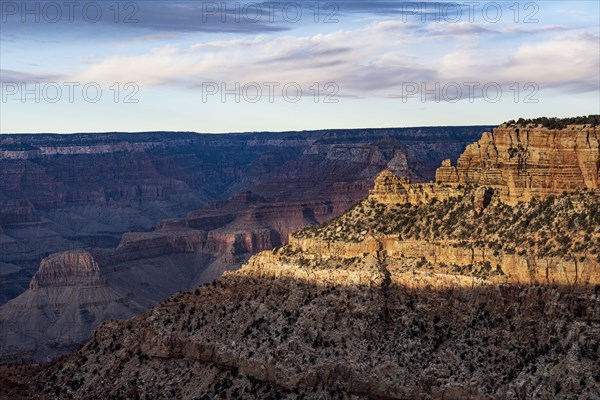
329, 320
70, 268
66, 300
391, 189
523, 162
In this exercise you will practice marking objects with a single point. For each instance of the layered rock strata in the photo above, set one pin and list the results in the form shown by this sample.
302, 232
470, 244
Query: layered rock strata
438, 291
528, 161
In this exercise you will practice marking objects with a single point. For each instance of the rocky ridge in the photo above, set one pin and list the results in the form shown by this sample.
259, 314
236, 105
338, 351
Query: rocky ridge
294, 324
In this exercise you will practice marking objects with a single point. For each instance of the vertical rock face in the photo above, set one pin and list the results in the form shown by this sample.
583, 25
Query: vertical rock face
528, 161
69, 268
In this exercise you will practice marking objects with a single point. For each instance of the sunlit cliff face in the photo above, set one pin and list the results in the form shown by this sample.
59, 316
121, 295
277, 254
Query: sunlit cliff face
524, 162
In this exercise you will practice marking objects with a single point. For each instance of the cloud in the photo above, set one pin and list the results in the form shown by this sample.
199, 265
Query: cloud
370, 61
149, 18
136, 18
535, 30
571, 61
7, 75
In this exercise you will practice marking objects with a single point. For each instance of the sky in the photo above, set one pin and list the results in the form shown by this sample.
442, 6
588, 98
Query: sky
238, 66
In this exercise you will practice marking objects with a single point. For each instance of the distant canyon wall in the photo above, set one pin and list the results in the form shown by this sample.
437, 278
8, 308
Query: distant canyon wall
67, 192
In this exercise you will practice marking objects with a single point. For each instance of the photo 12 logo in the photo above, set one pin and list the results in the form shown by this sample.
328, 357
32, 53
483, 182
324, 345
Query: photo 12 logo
253, 92
470, 11
54, 92
270, 11
452, 92
69, 11
128, 11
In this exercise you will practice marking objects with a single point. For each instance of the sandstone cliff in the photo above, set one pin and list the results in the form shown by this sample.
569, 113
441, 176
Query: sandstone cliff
391, 189
528, 161
555, 240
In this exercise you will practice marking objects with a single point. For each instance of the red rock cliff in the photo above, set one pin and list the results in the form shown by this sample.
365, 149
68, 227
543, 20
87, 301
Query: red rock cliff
529, 161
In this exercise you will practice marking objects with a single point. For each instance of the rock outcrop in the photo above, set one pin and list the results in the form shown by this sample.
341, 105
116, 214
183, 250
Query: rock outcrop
391, 189
510, 268
529, 161
299, 324
69, 268
525, 244
66, 300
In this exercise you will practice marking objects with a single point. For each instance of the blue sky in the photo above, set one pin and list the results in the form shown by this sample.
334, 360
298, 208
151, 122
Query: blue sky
249, 66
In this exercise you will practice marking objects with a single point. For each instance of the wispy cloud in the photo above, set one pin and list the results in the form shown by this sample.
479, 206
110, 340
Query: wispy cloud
370, 61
